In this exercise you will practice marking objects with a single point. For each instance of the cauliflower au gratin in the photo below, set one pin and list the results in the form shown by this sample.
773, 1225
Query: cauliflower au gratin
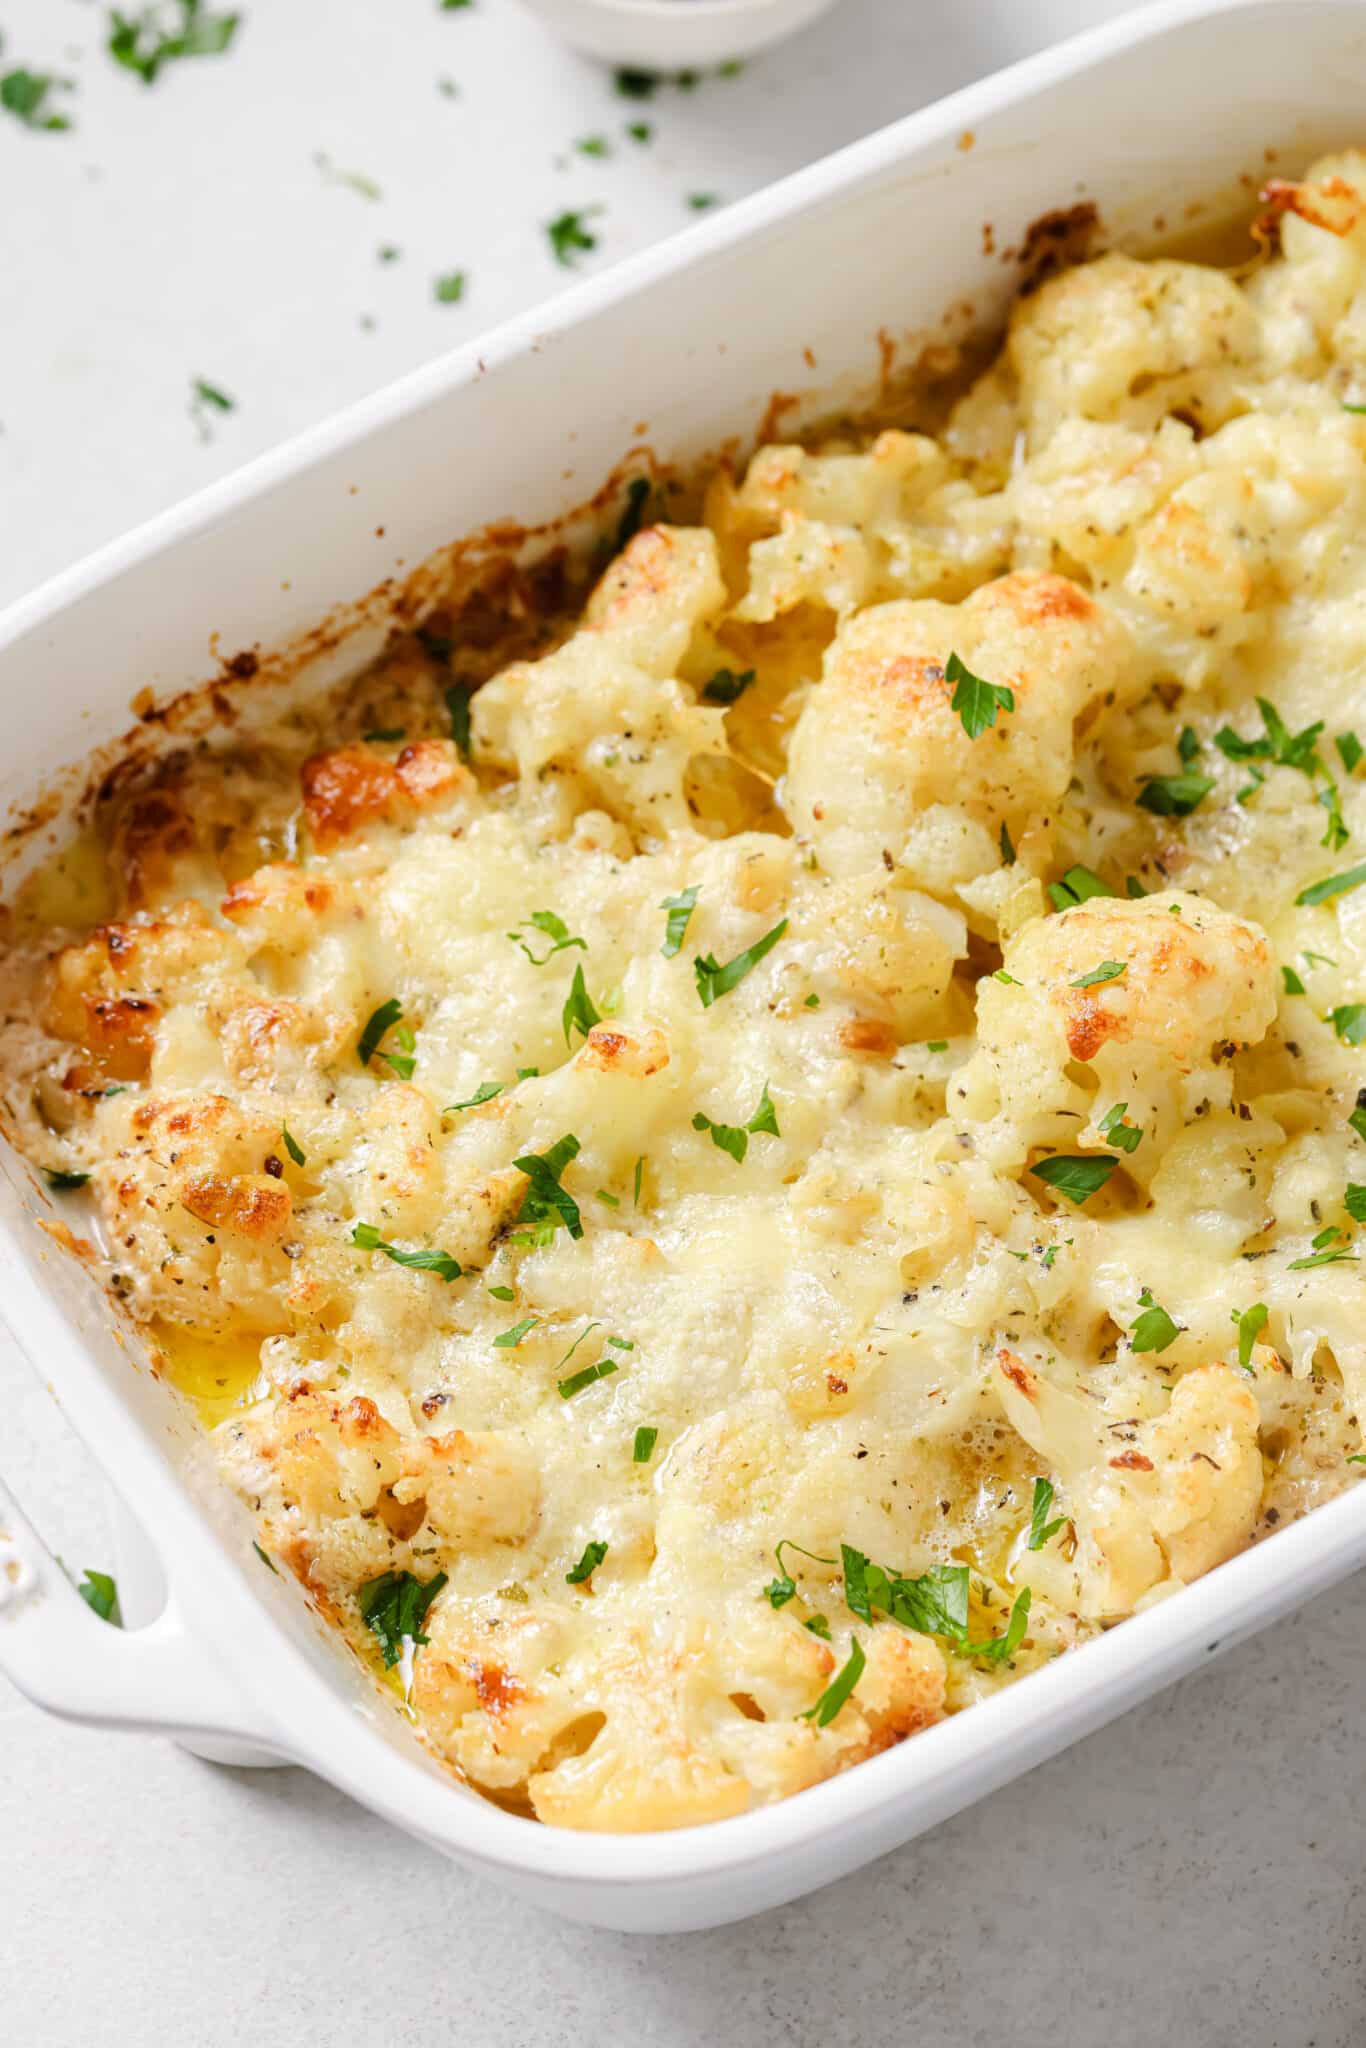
796, 1152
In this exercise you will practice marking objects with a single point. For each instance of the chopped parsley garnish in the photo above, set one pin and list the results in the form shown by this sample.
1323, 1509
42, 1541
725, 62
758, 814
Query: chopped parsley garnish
734, 1138
1007, 845
270, 1567
101, 1595
1134, 889
1332, 885
975, 701
385, 735
1335, 835
458, 712
629, 524
1154, 1330
714, 980
292, 1146
1357, 1120
140, 43
640, 1174
1188, 746
604, 1195
1349, 751
1329, 1256
593, 145
1277, 743
643, 1449
394, 1607
580, 1013
633, 84
1349, 1022
1075, 1177
1354, 1201
1249, 1326
503, 1293
1174, 796
639, 131
680, 909
1008, 979
839, 1688
1108, 970
23, 93
555, 929
568, 234
59, 1178
388, 252
508, 1340
1119, 1132
366, 1238
593, 1555
783, 1588
936, 1045
381, 1020
485, 1092
727, 685
1040, 1528
602, 1369
935, 1604
1293, 985
818, 1626
1078, 885
449, 289
546, 1202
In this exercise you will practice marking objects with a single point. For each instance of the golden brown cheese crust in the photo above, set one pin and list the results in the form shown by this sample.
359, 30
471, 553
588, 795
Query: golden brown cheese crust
714, 1129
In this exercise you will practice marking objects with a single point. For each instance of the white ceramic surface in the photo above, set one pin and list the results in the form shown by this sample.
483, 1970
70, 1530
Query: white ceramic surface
727, 311
663, 35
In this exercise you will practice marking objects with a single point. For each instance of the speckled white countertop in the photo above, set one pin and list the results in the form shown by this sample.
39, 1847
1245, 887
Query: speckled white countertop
1191, 1876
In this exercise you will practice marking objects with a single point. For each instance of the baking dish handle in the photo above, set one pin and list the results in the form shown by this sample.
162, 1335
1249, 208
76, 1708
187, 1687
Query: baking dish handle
66, 1659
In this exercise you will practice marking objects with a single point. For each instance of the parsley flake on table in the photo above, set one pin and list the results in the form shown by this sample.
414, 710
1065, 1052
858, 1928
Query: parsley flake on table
715, 980
593, 145
354, 181
142, 44
366, 1238
1077, 1178
449, 289
702, 202
568, 234
976, 702
206, 399
394, 1607
24, 94
634, 84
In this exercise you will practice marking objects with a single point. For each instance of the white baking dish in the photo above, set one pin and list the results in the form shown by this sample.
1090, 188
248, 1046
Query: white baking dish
1166, 107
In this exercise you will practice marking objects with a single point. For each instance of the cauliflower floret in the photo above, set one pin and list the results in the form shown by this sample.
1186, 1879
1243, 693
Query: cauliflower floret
1137, 1004
602, 721
476, 1487
1152, 1503
1122, 340
882, 768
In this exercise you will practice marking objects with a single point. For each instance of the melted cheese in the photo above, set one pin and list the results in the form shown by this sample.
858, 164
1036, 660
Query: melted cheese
880, 1326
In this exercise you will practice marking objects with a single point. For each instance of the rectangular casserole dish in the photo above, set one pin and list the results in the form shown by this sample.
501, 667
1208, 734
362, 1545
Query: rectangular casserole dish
1172, 106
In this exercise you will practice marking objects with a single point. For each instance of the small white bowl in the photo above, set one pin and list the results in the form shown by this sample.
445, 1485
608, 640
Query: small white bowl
670, 35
